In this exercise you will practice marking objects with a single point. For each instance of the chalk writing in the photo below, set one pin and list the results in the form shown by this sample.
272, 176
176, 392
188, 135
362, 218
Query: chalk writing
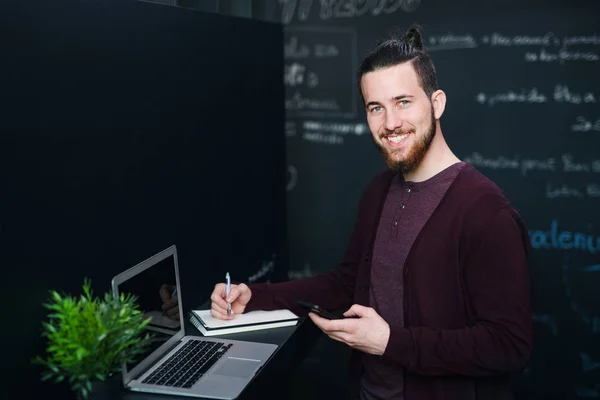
337, 127
296, 74
323, 138
569, 165
548, 47
561, 56
579, 40
344, 8
562, 94
266, 268
554, 191
500, 162
524, 165
527, 164
450, 41
562, 191
298, 102
498, 39
293, 74
288, 9
290, 129
410, 5
294, 50
583, 124
522, 96
326, 50
305, 272
545, 41
316, 58
292, 173
592, 190
555, 239
331, 132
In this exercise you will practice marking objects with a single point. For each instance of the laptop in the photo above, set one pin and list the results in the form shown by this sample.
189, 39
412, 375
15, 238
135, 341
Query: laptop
177, 363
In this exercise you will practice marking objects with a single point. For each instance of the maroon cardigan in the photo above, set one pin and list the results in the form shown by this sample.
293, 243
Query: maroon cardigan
467, 296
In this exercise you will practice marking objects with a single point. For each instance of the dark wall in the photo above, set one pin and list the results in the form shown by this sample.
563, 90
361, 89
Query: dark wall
128, 127
523, 106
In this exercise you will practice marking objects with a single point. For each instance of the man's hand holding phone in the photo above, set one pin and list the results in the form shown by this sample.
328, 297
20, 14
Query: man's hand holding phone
361, 328
314, 308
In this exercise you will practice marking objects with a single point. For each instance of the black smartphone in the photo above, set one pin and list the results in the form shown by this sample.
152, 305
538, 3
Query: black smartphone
319, 311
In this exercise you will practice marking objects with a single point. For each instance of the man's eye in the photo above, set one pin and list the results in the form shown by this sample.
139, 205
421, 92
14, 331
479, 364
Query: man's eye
376, 109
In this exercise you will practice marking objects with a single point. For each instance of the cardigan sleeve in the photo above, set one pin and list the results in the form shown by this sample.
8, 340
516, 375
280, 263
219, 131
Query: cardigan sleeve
499, 340
332, 290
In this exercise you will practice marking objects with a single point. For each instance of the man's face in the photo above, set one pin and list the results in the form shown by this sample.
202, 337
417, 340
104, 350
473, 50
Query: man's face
400, 115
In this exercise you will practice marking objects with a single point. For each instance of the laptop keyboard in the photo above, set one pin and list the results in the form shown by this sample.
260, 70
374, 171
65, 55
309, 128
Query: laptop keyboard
188, 364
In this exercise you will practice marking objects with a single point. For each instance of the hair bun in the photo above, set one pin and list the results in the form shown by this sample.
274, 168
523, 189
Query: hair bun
413, 38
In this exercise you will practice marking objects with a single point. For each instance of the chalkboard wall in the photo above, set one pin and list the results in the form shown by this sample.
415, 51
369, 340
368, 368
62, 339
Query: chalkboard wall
521, 78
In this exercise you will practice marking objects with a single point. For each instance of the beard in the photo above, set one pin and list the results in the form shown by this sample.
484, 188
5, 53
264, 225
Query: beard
414, 155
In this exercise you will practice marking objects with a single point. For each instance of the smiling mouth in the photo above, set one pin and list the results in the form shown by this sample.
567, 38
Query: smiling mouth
396, 140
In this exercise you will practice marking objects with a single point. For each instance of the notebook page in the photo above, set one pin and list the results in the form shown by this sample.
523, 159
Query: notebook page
253, 317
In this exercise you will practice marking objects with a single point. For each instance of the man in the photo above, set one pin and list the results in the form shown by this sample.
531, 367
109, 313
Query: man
436, 269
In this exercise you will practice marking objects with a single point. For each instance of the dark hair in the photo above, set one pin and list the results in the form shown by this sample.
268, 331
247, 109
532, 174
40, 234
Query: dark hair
397, 50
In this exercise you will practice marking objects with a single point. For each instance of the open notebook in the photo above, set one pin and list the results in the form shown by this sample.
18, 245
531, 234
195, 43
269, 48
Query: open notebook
251, 321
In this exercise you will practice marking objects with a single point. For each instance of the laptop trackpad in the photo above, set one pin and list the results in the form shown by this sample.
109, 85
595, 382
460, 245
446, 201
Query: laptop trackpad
238, 367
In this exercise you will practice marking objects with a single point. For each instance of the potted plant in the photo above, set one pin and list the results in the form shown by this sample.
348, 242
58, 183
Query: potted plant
89, 339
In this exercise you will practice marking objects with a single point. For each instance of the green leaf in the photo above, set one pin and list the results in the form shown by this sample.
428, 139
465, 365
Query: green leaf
55, 296
89, 337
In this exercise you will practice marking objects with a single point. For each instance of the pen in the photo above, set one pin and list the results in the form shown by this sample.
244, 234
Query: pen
227, 288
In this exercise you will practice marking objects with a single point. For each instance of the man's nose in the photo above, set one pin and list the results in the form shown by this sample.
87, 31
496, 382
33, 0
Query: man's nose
392, 121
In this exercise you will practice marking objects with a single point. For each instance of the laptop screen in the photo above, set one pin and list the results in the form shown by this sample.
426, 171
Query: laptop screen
157, 298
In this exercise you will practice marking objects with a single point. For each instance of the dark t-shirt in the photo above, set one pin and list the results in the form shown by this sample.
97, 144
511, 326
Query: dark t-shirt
407, 208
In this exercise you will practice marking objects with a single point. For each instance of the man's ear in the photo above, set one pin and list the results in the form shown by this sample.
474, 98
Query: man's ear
438, 100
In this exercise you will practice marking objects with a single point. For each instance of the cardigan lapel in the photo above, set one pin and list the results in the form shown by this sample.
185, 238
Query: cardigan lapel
375, 202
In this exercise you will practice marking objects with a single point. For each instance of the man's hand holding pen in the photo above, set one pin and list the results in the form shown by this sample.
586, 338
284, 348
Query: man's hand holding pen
236, 300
